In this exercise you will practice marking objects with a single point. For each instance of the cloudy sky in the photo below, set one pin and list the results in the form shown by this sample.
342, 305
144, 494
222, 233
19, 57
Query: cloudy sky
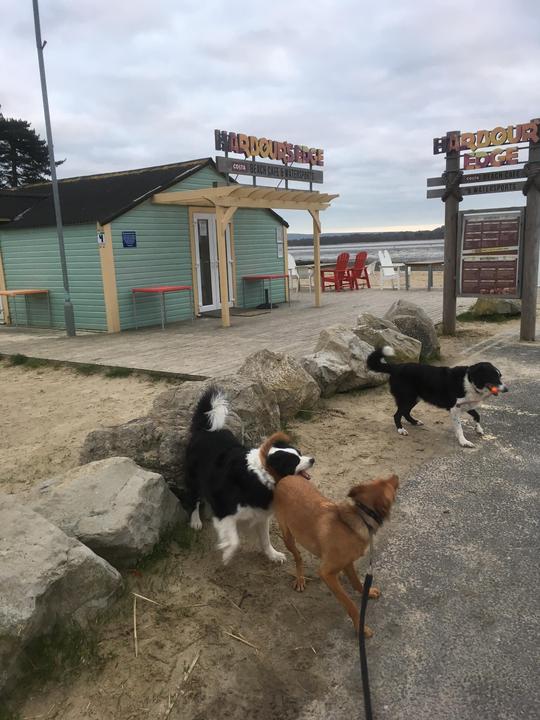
139, 82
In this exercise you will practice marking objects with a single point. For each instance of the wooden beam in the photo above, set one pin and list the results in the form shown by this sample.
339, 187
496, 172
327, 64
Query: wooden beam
316, 256
108, 277
286, 260
531, 241
451, 211
222, 264
192, 243
5, 301
270, 204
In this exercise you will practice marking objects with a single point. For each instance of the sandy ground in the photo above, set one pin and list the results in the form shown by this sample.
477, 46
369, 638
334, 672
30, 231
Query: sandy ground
189, 665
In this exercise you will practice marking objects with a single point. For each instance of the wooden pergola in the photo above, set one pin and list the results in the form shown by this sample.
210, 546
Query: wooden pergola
225, 200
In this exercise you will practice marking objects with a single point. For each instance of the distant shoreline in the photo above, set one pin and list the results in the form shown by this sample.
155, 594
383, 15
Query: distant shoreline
299, 240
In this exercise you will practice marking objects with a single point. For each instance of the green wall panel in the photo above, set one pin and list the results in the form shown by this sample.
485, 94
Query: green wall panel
32, 260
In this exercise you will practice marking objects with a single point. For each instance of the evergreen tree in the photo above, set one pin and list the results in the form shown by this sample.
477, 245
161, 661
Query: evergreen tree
24, 157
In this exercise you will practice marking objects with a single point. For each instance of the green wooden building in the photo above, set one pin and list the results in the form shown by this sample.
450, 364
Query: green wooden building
121, 234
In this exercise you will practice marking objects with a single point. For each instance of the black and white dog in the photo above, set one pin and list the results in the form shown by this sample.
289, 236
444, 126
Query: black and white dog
459, 389
237, 482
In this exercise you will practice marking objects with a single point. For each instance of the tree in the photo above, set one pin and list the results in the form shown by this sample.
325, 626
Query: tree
24, 157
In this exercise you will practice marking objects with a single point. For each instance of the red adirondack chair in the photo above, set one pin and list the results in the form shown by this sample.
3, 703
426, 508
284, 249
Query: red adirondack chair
338, 275
359, 271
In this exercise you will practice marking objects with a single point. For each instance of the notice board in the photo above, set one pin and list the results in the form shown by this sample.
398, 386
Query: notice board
489, 252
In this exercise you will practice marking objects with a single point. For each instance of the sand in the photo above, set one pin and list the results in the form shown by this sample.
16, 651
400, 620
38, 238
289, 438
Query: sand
189, 665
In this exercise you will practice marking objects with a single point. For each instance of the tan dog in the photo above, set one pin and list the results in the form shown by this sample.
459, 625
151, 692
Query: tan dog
337, 533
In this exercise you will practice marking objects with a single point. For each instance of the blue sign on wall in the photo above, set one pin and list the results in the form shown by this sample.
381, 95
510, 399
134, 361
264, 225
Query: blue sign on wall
129, 238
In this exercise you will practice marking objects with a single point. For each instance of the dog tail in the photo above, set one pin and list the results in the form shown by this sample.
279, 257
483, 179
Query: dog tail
211, 411
376, 360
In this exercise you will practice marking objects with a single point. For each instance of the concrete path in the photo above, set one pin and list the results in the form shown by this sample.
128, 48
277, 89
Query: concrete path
204, 348
457, 626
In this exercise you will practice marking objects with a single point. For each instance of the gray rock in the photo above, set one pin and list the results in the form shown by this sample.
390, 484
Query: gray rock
406, 349
375, 323
281, 374
46, 578
486, 306
158, 441
113, 506
413, 321
339, 362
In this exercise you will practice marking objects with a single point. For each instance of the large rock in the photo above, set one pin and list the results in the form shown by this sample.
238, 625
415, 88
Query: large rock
46, 578
113, 506
378, 332
158, 441
339, 362
486, 306
294, 388
411, 320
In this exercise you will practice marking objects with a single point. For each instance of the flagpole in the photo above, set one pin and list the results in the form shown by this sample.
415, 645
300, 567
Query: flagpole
68, 306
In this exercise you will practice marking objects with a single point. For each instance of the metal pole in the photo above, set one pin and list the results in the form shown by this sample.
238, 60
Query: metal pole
68, 306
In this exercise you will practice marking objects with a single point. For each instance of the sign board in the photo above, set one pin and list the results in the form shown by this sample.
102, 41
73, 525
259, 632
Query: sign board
101, 238
129, 238
267, 170
483, 139
481, 189
481, 177
252, 146
489, 252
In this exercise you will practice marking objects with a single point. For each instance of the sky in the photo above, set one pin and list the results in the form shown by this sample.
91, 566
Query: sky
138, 83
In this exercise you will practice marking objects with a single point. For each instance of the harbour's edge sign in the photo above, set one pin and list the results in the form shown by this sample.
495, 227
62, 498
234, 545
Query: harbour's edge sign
252, 146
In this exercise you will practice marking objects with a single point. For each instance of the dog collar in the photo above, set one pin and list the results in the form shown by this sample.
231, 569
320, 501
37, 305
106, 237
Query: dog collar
372, 513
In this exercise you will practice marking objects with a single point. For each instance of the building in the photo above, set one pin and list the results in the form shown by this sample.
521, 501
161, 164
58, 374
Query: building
121, 233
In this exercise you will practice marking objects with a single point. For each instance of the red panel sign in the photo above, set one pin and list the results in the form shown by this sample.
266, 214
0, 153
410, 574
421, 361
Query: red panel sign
490, 253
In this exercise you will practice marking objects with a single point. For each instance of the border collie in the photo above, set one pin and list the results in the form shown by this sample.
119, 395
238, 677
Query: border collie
456, 389
237, 482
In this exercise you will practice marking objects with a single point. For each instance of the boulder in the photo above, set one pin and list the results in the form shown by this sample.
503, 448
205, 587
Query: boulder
339, 362
376, 332
158, 441
46, 578
113, 506
281, 374
486, 306
413, 321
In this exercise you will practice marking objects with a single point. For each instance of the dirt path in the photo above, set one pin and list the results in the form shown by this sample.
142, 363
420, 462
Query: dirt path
189, 664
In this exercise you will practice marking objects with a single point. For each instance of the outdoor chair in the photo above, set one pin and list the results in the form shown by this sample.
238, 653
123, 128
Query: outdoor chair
388, 269
294, 277
337, 275
358, 272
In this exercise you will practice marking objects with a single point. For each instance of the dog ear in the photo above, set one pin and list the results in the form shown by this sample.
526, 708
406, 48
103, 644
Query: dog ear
377, 494
269, 443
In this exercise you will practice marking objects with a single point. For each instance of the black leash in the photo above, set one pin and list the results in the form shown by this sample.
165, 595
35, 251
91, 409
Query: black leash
361, 639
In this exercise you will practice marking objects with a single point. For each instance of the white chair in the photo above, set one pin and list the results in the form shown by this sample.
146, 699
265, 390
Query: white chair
293, 272
388, 269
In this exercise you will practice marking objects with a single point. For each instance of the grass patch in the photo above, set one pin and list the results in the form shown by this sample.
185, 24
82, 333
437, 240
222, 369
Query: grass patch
7, 714
118, 372
85, 369
66, 650
18, 359
304, 415
497, 318
181, 534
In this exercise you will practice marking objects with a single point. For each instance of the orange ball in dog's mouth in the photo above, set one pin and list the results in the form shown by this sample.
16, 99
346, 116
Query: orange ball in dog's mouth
494, 390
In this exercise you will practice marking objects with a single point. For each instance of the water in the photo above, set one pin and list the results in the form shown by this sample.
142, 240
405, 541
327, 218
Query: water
400, 251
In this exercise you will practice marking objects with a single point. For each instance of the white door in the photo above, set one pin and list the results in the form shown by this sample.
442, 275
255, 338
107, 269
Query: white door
207, 262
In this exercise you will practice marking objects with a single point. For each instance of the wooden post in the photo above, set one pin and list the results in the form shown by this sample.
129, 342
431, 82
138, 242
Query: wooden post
451, 209
223, 217
531, 240
316, 256
4, 300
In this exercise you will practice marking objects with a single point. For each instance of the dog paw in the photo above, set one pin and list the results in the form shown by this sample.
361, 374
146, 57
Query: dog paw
479, 429
228, 552
299, 584
368, 632
419, 422
374, 593
276, 556
195, 524
466, 444
402, 431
